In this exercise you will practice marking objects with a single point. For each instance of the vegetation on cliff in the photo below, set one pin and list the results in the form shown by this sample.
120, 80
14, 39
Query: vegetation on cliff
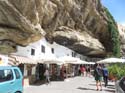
112, 28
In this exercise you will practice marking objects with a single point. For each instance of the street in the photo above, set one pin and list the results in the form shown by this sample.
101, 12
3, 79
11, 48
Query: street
70, 85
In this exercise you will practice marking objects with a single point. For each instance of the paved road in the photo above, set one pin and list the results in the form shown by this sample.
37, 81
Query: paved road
71, 85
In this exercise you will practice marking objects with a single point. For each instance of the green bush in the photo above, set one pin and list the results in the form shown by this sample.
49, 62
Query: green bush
117, 70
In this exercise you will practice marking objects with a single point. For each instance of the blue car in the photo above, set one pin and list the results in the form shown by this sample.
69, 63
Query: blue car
11, 80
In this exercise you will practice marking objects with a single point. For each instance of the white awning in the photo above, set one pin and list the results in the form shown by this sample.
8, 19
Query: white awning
83, 62
21, 60
50, 60
69, 59
91, 63
111, 60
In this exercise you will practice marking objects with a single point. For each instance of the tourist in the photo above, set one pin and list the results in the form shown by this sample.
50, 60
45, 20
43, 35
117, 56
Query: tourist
82, 70
47, 75
105, 75
88, 71
98, 73
1, 61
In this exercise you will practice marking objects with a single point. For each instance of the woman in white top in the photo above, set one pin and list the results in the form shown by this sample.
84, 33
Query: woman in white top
47, 75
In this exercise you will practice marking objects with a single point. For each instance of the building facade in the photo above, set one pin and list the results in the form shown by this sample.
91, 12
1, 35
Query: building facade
41, 50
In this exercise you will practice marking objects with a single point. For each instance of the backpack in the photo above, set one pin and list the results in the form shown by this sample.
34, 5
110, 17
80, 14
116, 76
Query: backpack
105, 72
99, 71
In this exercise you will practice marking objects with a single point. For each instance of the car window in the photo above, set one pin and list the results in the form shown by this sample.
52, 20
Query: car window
6, 75
17, 74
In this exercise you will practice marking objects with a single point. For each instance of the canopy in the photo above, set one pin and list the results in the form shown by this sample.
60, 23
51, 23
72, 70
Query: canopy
21, 60
91, 63
73, 60
85, 62
111, 60
69, 59
50, 60
82, 62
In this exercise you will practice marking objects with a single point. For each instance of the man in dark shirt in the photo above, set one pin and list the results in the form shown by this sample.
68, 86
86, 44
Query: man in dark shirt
105, 75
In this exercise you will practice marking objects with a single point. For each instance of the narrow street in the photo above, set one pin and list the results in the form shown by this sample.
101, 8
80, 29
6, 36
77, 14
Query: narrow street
70, 85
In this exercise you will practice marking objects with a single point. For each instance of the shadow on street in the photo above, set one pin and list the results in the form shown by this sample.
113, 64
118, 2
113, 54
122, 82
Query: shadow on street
81, 88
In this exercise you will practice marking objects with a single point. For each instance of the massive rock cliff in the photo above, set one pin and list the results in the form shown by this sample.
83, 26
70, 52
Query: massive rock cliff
78, 24
122, 38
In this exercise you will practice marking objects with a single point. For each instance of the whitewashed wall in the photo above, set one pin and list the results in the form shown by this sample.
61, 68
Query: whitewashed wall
81, 56
26, 51
59, 50
23, 51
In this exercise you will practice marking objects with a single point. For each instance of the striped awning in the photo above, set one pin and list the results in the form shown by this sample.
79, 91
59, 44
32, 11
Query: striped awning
21, 60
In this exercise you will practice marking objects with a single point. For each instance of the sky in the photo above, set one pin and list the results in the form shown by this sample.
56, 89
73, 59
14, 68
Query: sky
117, 9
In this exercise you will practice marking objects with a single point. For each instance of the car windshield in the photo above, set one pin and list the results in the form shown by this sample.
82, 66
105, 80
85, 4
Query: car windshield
6, 75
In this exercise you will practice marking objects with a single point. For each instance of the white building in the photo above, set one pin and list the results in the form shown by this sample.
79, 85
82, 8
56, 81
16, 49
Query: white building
41, 50
37, 50
61, 51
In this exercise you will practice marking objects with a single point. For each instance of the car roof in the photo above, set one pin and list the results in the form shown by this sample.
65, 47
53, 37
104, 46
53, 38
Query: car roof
8, 67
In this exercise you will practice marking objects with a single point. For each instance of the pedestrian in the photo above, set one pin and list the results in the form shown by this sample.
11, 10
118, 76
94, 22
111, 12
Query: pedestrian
79, 71
105, 75
98, 73
88, 71
82, 70
47, 75
1, 62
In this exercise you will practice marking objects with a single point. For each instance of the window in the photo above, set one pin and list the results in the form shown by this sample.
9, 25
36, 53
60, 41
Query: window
75, 54
52, 49
17, 74
6, 75
32, 51
43, 49
72, 54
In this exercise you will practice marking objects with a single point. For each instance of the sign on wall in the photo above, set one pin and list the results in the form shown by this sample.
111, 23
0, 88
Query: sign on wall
3, 60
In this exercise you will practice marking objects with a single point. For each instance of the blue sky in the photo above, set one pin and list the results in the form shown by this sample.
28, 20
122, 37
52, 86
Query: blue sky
116, 8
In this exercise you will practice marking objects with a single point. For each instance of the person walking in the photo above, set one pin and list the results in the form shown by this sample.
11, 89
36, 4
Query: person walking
105, 75
98, 73
1, 62
47, 75
89, 71
83, 70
